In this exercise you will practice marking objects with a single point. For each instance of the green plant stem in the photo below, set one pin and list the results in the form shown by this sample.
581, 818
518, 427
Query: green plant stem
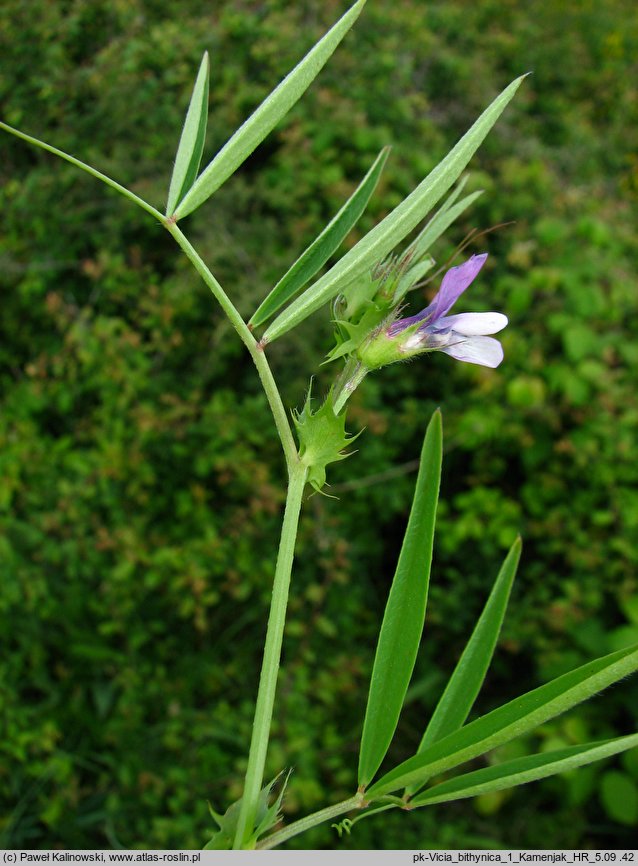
256, 351
297, 474
272, 654
351, 377
87, 168
370, 812
310, 821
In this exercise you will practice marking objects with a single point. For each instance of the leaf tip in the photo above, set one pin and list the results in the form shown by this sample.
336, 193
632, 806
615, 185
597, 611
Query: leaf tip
355, 10
385, 153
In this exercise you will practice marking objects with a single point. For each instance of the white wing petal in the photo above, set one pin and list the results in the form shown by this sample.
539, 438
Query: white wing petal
476, 350
474, 324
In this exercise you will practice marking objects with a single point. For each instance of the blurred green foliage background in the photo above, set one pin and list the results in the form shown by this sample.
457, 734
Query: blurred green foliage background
140, 476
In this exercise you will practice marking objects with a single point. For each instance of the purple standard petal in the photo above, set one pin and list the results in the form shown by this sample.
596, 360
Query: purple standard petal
455, 282
474, 324
476, 350
402, 324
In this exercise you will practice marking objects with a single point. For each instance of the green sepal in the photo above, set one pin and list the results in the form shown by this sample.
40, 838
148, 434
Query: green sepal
379, 349
365, 306
322, 439
351, 336
267, 817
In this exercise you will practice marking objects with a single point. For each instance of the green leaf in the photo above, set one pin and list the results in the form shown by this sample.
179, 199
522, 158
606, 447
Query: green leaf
191, 143
511, 720
267, 116
432, 231
412, 277
453, 196
447, 204
466, 681
523, 770
441, 223
376, 245
324, 246
405, 612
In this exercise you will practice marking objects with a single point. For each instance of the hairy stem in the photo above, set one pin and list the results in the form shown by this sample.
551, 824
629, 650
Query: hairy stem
351, 377
297, 474
272, 654
294, 829
87, 168
256, 352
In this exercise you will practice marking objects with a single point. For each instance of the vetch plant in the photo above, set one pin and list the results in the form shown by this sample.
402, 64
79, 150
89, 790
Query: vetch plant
366, 294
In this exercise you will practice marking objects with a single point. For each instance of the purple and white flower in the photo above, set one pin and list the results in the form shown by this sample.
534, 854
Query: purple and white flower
464, 336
